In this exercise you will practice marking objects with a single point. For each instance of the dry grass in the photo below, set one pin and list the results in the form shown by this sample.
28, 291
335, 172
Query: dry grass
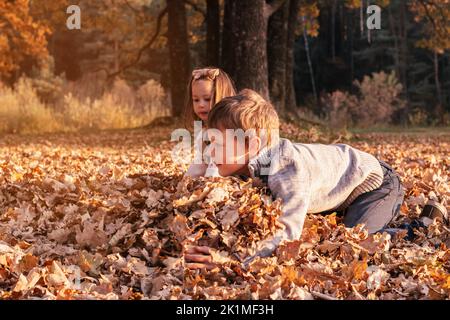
21, 110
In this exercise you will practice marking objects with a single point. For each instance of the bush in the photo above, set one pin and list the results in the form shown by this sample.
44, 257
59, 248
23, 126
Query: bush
89, 86
151, 96
418, 117
48, 86
377, 99
337, 106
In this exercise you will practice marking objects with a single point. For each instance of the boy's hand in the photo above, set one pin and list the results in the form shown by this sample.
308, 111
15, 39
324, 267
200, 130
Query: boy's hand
198, 257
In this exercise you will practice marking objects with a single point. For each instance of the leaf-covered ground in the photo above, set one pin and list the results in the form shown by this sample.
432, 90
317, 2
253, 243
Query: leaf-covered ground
105, 216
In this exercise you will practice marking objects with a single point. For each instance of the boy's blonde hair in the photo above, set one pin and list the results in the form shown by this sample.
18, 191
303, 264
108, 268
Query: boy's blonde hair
247, 111
223, 87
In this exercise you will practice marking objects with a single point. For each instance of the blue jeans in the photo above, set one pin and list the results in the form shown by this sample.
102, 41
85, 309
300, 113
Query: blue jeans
378, 207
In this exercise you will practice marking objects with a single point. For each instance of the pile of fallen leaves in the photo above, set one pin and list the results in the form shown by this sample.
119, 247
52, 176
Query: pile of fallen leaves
106, 216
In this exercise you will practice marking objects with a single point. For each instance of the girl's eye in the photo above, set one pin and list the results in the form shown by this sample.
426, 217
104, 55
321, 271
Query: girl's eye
196, 100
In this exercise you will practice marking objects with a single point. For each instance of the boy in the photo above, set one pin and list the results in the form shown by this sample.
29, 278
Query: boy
310, 178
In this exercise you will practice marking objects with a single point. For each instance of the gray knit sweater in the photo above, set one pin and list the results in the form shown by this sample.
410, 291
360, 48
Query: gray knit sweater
311, 178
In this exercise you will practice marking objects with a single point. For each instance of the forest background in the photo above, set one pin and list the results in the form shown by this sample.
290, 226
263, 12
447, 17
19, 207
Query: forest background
130, 60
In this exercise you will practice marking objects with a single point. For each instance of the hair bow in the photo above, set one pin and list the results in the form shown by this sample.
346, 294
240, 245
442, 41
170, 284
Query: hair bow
205, 73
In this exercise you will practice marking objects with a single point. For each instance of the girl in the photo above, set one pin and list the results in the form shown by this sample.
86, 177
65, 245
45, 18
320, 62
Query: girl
206, 87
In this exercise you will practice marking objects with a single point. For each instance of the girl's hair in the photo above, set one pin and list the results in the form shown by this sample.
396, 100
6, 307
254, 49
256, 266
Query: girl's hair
223, 87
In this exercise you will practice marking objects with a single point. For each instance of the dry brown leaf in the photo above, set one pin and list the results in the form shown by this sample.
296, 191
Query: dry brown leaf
105, 216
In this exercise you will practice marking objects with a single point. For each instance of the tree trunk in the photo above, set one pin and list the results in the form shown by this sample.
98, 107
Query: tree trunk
351, 44
361, 18
179, 54
116, 55
333, 30
404, 56
212, 32
249, 36
67, 50
291, 101
227, 57
308, 56
277, 56
439, 107
404, 45
369, 34
394, 34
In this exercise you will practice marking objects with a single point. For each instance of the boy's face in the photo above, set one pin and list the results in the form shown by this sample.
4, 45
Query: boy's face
231, 151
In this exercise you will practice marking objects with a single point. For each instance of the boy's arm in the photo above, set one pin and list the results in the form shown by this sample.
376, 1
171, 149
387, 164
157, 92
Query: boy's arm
291, 185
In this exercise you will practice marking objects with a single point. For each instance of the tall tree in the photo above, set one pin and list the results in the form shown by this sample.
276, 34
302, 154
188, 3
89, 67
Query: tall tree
212, 32
22, 39
282, 29
290, 99
179, 54
117, 42
404, 49
249, 39
435, 15
277, 47
227, 54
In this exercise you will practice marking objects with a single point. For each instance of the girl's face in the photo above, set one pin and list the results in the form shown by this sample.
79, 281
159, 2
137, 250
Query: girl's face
201, 98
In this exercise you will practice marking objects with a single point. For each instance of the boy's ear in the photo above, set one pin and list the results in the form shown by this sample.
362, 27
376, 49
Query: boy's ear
254, 146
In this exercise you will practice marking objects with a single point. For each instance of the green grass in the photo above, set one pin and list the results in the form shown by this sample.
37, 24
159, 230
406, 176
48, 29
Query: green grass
403, 130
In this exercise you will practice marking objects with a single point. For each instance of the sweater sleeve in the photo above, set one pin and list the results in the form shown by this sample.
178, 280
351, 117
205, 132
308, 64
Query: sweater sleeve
291, 185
